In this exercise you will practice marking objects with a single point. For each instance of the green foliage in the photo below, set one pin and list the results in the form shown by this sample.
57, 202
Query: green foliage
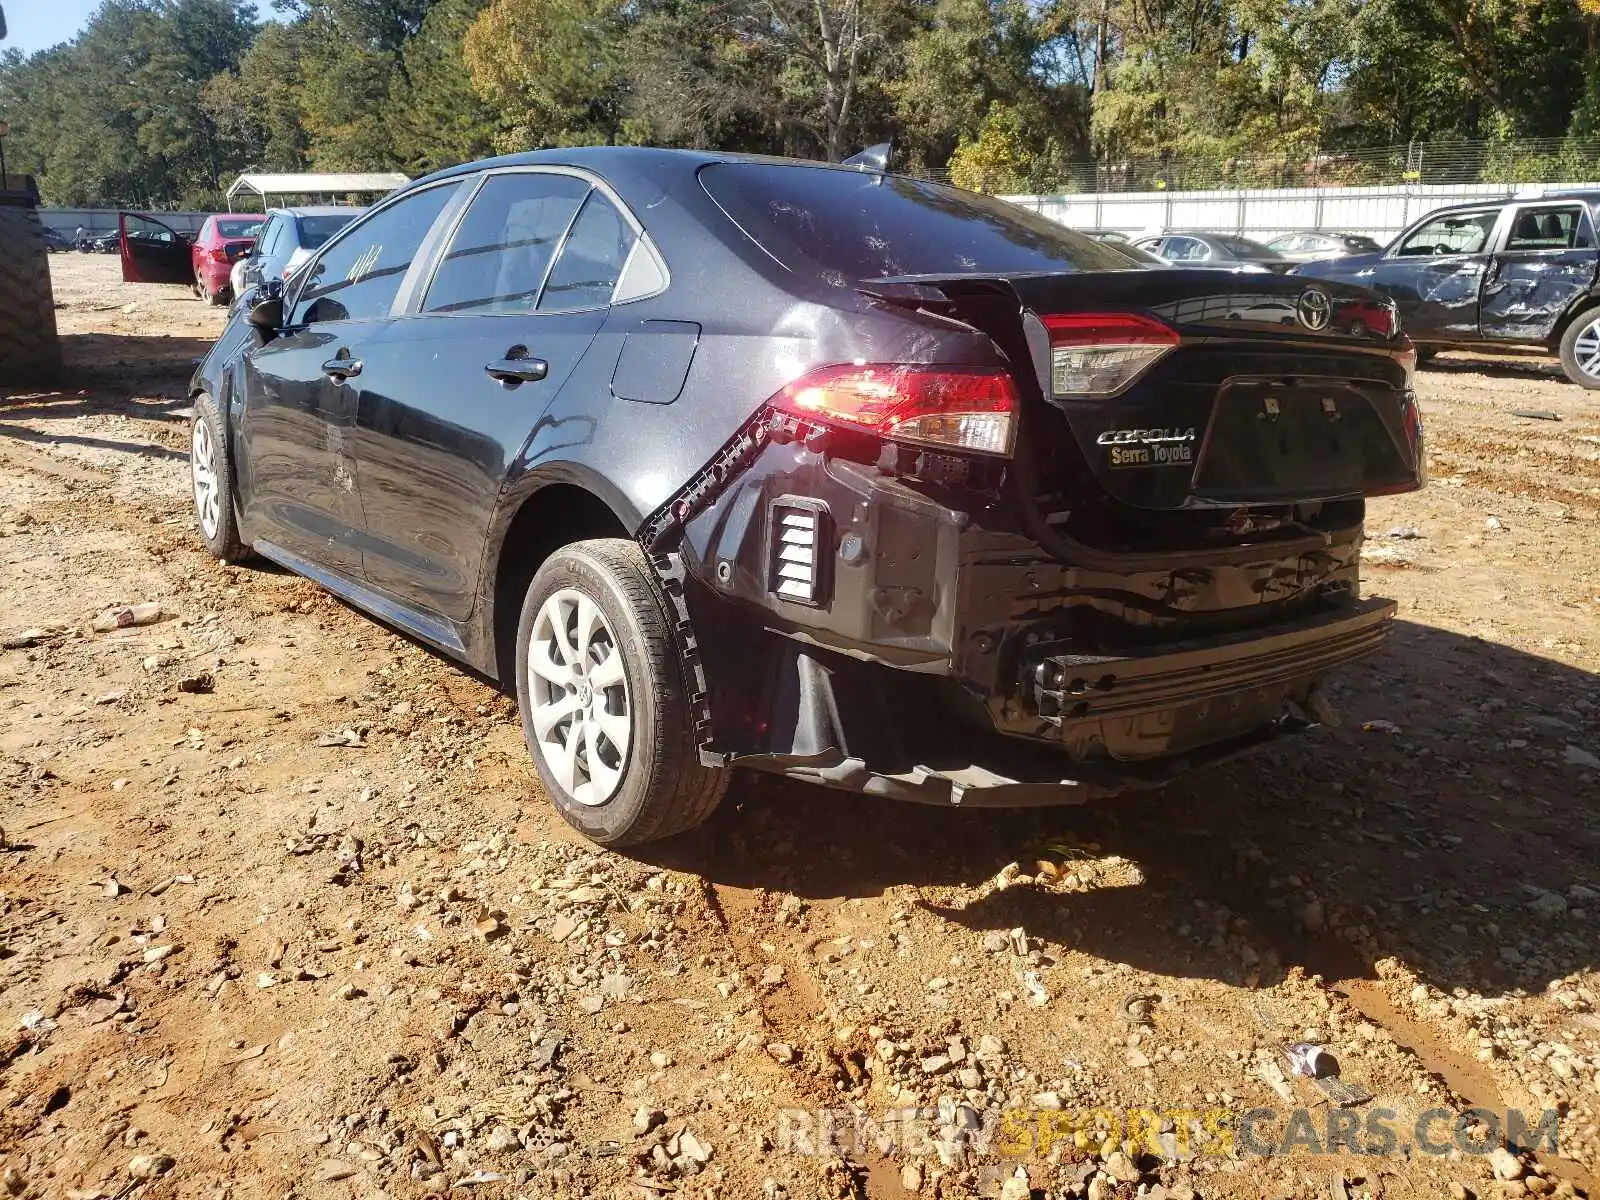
438, 118
160, 102
552, 69
260, 105
116, 116
1009, 154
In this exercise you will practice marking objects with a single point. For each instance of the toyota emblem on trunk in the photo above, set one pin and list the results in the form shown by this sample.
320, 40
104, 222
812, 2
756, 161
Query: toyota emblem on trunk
1315, 309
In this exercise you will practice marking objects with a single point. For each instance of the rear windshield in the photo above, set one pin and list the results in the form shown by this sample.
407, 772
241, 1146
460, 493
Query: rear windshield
1246, 248
245, 228
316, 230
851, 225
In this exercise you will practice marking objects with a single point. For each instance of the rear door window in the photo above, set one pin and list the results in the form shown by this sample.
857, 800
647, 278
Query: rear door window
848, 225
1548, 229
1186, 249
591, 259
357, 277
501, 252
314, 231
271, 235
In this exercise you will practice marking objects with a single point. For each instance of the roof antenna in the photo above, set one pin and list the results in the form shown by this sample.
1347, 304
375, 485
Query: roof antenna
873, 158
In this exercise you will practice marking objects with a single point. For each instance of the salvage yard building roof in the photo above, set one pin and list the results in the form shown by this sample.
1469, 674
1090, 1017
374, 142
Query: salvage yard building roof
265, 185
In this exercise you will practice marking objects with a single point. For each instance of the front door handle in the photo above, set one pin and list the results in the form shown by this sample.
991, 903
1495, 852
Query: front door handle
512, 371
341, 368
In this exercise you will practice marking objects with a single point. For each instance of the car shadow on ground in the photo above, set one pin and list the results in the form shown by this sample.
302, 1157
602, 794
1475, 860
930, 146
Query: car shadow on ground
141, 449
1507, 366
131, 374
1438, 843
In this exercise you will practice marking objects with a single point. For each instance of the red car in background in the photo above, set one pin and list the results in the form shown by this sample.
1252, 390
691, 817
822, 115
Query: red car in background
222, 241
156, 253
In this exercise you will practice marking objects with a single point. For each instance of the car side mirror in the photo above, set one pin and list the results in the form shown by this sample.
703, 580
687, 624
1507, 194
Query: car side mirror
266, 307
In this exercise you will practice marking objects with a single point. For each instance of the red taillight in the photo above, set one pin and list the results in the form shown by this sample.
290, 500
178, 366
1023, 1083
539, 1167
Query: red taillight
954, 407
219, 254
1408, 357
1096, 355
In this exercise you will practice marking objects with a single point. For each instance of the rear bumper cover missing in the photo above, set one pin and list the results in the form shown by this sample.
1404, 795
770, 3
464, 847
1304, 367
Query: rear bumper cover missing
1180, 698
1123, 724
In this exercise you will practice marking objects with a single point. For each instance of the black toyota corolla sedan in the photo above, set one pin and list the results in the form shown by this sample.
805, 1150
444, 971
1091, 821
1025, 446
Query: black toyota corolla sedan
732, 462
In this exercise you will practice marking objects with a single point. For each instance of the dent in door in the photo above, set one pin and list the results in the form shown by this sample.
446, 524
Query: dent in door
1531, 291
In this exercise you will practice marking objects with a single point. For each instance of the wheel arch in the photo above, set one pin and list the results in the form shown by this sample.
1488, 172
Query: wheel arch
557, 505
1576, 309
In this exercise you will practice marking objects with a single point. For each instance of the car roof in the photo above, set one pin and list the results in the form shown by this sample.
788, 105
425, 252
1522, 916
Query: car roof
598, 158
320, 210
1592, 199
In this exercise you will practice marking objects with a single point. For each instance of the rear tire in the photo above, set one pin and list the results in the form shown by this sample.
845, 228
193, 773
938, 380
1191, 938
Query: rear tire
211, 482
1427, 353
1580, 349
603, 700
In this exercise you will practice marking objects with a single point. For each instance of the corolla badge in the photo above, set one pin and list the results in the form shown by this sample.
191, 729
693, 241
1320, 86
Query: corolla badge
1314, 309
1148, 447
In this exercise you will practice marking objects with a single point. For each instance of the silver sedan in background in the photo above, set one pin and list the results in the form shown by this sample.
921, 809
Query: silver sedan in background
288, 238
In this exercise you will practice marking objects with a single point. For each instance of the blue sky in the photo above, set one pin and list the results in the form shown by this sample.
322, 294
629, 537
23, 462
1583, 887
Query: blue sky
34, 24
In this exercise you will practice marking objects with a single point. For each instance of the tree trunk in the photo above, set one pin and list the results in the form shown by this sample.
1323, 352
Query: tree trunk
1101, 39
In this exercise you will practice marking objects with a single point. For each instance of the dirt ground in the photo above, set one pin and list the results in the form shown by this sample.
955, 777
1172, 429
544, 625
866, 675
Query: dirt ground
309, 929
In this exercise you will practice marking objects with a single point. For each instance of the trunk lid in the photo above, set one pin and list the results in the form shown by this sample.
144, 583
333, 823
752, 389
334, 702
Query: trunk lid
1276, 390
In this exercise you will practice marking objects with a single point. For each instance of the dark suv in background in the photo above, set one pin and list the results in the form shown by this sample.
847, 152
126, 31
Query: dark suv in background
836, 473
1517, 273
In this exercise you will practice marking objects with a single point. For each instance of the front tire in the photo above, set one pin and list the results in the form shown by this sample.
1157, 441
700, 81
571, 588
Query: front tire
604, 705
211, 481
1580, 349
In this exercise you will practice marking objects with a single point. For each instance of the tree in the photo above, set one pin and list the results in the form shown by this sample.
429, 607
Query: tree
260, 105
116, 116
553, 69
985, 75
352, 60
439, 119
789, 75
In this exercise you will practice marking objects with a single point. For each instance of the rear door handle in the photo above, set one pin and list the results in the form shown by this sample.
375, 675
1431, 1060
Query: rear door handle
341, 368
513, 371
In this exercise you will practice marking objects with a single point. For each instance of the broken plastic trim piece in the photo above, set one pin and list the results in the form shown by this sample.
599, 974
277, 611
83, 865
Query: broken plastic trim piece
662, 534
969, 785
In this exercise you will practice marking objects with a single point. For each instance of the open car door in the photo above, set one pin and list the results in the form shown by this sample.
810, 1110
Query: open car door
151, 252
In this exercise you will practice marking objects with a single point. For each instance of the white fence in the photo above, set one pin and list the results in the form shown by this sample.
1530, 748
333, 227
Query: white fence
104, 220
1378, 212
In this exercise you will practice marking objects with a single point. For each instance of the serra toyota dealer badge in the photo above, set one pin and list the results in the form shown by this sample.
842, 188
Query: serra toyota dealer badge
1148, 447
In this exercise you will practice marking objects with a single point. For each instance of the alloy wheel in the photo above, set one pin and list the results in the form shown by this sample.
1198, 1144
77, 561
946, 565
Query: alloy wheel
581, 715
1586, 350
203, 473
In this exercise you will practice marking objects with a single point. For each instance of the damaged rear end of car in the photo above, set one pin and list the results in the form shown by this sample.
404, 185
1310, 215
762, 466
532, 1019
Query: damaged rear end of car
1042, 536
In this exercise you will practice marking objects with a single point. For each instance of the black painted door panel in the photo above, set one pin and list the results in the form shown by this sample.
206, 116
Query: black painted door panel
1437, 297
436, 436
297, 423
1527, 292
1547, 263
